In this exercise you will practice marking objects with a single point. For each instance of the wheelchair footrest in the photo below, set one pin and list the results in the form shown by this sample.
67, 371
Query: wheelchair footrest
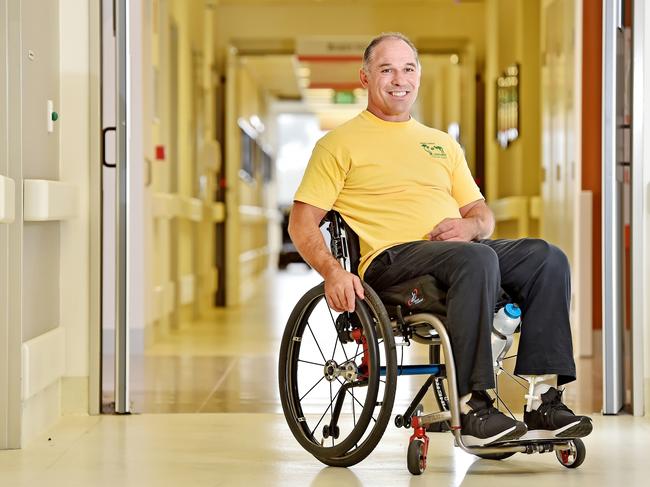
437, 417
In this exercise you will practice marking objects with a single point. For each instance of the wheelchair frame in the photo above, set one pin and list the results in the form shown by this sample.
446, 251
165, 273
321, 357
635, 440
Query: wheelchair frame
569, 451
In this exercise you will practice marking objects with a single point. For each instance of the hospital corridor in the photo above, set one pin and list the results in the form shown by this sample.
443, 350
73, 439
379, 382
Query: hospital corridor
158, 324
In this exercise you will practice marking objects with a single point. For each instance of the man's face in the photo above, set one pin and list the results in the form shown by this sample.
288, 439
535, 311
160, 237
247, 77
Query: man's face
392, 79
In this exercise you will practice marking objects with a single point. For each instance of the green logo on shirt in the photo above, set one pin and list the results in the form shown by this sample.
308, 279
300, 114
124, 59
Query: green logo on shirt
434, 150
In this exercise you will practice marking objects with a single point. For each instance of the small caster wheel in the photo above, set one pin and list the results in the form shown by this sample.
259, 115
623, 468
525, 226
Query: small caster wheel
399, 420
333, 432
407, 423
574, 455
416, 458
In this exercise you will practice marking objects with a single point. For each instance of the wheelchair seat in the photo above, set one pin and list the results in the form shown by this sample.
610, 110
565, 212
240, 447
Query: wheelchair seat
345, 247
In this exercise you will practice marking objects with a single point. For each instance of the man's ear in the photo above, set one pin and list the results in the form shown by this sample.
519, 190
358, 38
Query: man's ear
363, 77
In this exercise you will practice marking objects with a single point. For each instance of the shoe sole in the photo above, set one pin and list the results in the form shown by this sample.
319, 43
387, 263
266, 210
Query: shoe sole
578, 429
510, 434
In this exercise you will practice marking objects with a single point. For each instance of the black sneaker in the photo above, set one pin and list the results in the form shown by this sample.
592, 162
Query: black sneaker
554, 420
485, 424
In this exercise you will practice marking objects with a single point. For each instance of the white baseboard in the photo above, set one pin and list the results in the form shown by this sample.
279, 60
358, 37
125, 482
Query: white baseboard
43, 361
74, 395
41, 411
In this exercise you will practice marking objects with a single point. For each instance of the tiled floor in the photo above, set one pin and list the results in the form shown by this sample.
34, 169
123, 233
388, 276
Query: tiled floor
225, 366
256, 449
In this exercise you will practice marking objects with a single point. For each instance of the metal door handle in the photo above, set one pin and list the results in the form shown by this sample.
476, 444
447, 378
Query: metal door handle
104, 132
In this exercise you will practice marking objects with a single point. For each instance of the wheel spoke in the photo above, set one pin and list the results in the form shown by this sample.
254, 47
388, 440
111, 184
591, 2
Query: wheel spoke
514, 378
356, 354
312, 388
506, 406
354, 416
336, 342
326, 408
336, 334
319, 349
312, 363
356, 400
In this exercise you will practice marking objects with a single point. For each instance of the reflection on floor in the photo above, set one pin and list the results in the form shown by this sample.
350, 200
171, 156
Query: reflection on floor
227, 362
165, 450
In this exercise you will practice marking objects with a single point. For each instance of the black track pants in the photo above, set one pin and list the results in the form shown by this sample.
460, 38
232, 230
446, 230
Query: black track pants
534, 273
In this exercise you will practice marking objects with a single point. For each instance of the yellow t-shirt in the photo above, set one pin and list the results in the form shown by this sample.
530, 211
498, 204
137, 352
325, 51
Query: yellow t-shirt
392, 182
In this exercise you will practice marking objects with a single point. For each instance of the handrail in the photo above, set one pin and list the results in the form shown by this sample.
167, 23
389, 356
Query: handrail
513, 208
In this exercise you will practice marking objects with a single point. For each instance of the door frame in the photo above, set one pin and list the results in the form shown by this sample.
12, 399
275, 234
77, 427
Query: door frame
640, 224
95, 210
11, 234
612, 336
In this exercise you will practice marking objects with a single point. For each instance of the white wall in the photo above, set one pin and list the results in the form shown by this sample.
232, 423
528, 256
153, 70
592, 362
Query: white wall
74, 167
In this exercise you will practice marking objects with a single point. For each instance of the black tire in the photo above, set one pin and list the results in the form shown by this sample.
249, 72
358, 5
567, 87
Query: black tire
576, 455
495, 456
386, 396
301, 352
415, 459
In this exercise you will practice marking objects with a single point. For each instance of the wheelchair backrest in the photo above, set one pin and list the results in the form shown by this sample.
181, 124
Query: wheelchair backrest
344, 243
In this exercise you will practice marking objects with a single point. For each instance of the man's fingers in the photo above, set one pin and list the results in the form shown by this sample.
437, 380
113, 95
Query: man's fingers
447, 235
349, 298
358, 287
446, 225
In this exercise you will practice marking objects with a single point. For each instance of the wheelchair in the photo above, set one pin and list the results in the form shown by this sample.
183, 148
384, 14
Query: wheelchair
338, 373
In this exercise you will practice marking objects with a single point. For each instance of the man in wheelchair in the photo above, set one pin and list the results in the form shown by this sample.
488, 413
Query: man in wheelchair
407, 192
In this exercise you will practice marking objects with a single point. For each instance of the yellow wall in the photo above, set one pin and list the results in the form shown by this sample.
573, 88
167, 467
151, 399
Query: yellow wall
252, 213
181, 260
513, 36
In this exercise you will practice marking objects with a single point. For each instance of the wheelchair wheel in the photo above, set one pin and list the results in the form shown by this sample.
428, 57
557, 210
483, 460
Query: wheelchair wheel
416, 458
334, 395
574, 456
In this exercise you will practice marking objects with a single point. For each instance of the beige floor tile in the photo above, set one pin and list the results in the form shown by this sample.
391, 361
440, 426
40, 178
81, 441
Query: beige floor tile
257, 449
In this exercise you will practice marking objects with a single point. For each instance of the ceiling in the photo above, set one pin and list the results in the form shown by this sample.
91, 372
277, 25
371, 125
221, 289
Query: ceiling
361, 2
311, 83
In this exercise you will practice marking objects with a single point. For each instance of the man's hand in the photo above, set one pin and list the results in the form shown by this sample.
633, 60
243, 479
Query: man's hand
340, 289
477, 222
454, 230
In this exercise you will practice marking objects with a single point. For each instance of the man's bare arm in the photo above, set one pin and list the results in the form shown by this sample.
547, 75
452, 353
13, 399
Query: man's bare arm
340, 285
477, 222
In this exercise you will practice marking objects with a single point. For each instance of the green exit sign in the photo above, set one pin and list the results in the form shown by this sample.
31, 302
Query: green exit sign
344, 97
